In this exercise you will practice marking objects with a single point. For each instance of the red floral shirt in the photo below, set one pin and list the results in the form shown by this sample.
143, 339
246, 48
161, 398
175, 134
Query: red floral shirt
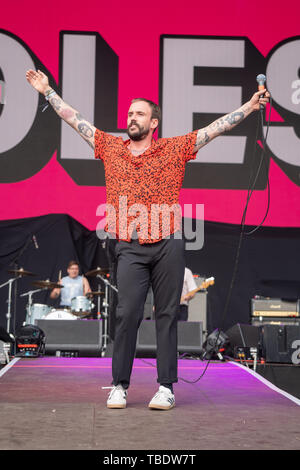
143, 191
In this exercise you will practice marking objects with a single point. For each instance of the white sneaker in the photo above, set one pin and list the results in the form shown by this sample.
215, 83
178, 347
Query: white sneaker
117, 397
164, 399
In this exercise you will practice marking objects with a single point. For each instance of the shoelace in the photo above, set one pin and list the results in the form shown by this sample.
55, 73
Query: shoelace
113, 389
161, 392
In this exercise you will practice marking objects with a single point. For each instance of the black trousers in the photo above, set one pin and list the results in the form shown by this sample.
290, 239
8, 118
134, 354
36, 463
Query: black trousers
161, 264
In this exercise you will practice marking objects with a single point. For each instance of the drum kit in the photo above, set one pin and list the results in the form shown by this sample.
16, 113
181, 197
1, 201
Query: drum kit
81, 306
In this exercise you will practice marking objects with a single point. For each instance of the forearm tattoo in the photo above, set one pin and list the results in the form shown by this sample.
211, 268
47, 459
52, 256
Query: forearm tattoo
73, 118
235, 118
202, 138
56, 103
223, 124
67, 113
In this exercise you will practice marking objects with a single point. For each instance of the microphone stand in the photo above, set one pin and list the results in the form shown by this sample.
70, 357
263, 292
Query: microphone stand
15, 264
9, 300
105, 315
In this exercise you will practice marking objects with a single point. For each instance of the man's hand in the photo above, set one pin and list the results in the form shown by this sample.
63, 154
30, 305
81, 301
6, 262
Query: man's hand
256, 101
38, 80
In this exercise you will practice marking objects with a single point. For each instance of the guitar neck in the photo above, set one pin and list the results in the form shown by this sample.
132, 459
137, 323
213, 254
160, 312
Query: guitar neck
208, 282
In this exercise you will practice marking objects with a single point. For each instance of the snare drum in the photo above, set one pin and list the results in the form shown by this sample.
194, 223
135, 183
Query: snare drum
81, 304
59, 315
36, 312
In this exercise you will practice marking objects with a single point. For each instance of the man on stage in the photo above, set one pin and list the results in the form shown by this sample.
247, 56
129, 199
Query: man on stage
73, 285
143, 174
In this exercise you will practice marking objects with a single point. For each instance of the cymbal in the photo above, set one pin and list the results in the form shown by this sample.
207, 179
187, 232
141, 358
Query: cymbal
20, 272
94, 293
95, 272
47, 284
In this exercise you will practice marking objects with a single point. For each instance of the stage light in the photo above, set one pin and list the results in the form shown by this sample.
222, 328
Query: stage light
215, 345
30, 341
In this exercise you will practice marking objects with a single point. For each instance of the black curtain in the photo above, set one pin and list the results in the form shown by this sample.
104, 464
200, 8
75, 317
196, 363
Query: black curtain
59, 239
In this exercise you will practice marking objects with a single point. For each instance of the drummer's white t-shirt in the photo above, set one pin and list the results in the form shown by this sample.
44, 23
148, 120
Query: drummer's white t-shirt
72, 288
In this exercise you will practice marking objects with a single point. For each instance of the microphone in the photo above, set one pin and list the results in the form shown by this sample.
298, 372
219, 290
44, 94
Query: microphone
261, 80
35, 242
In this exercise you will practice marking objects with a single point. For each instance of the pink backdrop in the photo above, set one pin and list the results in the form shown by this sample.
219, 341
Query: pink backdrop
133, 30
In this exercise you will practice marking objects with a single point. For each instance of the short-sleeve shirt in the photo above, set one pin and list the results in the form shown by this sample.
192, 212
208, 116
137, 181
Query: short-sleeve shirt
142, 192
72, 287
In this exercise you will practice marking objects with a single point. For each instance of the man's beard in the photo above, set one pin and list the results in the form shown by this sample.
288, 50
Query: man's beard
139, 133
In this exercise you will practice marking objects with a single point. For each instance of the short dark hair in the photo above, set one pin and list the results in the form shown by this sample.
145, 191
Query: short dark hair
156, 111
73, 262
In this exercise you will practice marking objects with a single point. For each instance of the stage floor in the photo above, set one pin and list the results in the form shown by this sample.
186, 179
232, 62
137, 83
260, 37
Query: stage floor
57, 403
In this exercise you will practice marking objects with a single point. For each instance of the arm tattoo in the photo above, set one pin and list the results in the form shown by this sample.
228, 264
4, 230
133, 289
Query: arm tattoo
74, 119
55, 102
66, 113
223, 124
202, 139
85, 130
235, 118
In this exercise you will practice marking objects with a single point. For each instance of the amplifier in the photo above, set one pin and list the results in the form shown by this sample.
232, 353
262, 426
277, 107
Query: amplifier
260, 321
280, 343
72, 337
266, 307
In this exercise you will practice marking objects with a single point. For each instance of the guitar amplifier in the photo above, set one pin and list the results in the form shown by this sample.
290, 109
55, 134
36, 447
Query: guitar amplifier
267, 307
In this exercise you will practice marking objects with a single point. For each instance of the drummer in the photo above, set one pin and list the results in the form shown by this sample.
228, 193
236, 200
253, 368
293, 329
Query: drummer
74, 285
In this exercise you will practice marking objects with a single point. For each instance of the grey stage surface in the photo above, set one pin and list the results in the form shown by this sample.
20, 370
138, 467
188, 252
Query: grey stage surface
57, 403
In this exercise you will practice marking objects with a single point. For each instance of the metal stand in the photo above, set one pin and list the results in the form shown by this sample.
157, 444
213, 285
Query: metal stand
29, 305
105, 314
9, 301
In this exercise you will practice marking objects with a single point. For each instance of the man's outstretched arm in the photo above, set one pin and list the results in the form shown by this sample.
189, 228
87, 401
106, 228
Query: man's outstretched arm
229, 121
39, 81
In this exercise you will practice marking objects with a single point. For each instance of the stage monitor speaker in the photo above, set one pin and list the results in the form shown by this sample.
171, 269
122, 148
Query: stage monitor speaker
278, 342
242, 336
79, 338
189, 338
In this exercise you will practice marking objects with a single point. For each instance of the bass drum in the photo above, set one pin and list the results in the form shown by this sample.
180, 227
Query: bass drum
36, 312
59, 315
